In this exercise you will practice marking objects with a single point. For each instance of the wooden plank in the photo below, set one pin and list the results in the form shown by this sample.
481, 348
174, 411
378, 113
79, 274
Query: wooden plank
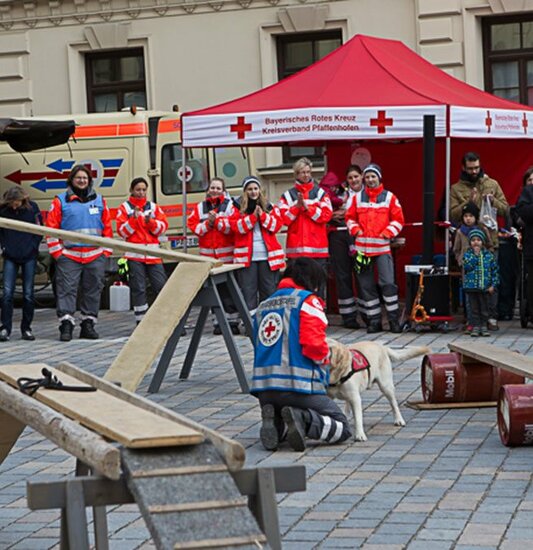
187, 470
197, 506
423, 406
110, 416
89, 447
232, 451
116, 244
10, 430
495, 356
149, 338
228, 542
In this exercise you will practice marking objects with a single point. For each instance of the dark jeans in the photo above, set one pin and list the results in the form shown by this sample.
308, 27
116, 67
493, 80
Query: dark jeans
28, 303
478, 304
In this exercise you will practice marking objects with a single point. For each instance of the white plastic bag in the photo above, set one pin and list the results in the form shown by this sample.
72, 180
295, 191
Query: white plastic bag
488, 214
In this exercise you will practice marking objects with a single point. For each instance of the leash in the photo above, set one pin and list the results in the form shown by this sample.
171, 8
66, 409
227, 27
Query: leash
51, 382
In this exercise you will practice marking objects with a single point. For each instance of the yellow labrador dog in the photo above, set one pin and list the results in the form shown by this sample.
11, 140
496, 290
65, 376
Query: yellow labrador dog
347, 383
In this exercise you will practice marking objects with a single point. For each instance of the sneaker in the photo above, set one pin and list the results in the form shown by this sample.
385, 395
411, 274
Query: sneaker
294, 419
492, 324
469, 329
235, 329
217, 331
27, 335
4, 335
65, 331
484, 332
268, 432
474, 333
87, 330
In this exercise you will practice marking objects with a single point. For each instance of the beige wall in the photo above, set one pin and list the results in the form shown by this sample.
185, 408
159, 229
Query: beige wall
199, 53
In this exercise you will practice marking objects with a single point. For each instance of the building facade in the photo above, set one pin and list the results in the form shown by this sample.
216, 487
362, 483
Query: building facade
78, 56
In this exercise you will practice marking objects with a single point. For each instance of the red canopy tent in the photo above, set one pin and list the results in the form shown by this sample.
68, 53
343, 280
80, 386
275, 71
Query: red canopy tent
362, 97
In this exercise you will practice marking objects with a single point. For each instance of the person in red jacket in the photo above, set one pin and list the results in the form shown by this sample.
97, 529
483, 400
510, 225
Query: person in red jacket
374, 216
254, 226
79, 209
305, 210
141, 221
210, 220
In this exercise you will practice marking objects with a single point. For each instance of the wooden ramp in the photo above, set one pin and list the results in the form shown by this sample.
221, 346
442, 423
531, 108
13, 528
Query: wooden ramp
106, 414
189, 500
495, 356
150, 337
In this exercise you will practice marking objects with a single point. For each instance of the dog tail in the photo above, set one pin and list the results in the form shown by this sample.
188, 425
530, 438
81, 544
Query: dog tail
407, 353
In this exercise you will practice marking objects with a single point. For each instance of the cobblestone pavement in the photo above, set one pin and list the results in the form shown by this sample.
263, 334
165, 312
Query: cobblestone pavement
444, 481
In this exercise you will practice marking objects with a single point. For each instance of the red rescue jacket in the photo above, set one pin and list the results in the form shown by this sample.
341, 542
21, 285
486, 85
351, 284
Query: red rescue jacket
135, 229
306, 229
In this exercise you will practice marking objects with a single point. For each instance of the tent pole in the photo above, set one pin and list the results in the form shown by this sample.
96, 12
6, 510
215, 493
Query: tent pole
447, 214
184, 195
429, 189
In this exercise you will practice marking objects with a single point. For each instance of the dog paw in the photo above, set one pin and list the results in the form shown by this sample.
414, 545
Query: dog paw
360, 437
399, 422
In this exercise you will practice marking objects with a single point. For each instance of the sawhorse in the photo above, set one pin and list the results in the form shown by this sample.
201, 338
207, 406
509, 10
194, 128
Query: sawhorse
207, 298
260, 485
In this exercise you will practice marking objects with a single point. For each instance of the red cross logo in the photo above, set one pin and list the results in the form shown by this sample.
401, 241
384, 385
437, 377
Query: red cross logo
269, 329
381, 122
488, 122
241, 127
525, 123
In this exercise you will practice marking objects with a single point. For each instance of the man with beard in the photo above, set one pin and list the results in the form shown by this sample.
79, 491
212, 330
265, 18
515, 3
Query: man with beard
475, 186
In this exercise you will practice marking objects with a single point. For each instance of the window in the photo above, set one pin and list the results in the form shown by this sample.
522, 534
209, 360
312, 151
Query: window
508, 54
296, 52
197, 171
115, 80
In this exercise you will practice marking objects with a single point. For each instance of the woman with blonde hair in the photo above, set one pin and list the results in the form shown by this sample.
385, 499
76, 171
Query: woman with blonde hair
255, 224
20, 250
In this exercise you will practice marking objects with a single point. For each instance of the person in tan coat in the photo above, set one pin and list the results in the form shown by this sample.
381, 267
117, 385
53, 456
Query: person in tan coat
475, 186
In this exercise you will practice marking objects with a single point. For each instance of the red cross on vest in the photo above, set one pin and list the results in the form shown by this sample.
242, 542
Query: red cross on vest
269, 329
488, 122
525, 123
241, 127
381, 122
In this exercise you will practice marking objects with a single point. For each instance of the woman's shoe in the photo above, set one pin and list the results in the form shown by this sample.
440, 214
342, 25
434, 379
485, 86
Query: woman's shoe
28, 335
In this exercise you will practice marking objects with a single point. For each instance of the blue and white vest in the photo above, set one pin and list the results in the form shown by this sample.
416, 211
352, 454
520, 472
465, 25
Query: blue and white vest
278, 362
82, 217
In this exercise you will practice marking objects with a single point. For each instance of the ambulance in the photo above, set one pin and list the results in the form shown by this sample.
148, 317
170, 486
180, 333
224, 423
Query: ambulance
119, 147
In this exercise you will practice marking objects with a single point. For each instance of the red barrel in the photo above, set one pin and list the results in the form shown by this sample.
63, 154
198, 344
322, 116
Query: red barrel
515, 414
446, 380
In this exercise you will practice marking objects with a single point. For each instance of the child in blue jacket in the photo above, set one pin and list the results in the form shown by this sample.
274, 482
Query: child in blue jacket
481, 278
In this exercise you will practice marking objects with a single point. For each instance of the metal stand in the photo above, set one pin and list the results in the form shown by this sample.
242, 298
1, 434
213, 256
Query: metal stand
208, 297
74, 495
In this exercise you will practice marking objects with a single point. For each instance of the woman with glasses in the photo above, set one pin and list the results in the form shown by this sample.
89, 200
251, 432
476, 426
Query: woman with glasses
78, 265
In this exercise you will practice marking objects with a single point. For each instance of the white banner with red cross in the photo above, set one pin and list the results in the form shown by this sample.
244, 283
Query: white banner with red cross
321, 124
491, 123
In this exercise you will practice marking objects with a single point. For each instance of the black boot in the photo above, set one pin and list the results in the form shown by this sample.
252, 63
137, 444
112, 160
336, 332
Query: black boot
235, 329
296, 421
351, 322
269, 432
394, 326
87, 330
65, 331
374, 326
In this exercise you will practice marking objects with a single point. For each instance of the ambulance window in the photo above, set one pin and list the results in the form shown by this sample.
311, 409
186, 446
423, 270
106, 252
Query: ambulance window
231, 164
197, 172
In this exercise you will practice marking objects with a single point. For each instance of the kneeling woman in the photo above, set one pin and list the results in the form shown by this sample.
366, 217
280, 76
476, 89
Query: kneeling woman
291, 360
141, 221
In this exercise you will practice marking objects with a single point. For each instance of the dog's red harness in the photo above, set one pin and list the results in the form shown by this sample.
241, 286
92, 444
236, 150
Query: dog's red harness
359, 363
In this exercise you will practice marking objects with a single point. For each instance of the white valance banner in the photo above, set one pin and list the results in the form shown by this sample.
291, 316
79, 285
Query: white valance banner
490, 123
321, 124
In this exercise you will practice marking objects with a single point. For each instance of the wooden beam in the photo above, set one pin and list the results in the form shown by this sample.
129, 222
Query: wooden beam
149, 338
10, 430
115, 244
495, 356
423, 406
89, 447
110, 416
232, 451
